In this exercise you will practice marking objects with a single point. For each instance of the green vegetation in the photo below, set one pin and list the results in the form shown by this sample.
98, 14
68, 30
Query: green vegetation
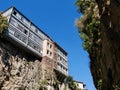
56, 84
43, 84
83, 5
3, 23
88, 24
71, 84
116, 87
99, 85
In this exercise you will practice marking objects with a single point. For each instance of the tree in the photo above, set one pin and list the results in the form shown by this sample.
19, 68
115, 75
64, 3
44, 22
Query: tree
71, 84
56, 84
3, 23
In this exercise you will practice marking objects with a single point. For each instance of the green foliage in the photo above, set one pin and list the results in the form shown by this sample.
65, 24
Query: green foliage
99, 85
88, 24
3, 23
71, 84
83, 5
56, 84
68, 79
87, 45
92, 25
84, 36
42, 84
116, 87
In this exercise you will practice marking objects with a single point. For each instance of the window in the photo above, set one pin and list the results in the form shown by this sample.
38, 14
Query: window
14, 13
47, 51
18, 16
25, 31
60, 65
60, 58
50, 53
50, 46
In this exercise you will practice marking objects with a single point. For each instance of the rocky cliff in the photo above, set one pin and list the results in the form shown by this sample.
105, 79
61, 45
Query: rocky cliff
17, 71
102, 40
20, 71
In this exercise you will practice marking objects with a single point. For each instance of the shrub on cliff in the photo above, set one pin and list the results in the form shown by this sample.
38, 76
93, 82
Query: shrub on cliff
71, 84
3, 23
88, 24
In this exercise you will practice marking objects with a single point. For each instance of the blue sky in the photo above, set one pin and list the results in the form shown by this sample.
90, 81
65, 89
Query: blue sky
57, 18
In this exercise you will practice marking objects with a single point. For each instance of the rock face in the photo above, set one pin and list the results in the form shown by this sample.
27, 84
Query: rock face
21, 71
104, 47
18, 71
105, 64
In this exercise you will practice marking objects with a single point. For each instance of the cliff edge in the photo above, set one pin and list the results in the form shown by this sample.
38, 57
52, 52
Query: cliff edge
99, 28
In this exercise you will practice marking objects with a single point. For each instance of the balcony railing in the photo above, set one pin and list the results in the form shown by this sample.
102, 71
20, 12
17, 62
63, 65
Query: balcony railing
61, 70
21, 20
34, 45
64, 64
30, 26
61, 54
17, 33
24, 39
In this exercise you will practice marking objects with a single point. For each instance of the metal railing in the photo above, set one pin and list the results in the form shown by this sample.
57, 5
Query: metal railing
19, 35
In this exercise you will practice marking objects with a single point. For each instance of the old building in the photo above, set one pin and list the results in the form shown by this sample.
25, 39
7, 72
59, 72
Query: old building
51, 61
24, 34
80, 85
